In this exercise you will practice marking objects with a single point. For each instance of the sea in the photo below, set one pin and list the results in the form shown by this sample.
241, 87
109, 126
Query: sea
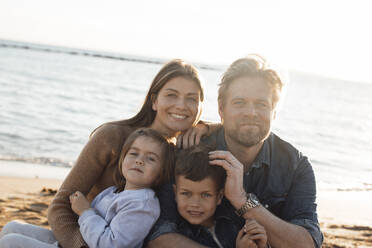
52, 98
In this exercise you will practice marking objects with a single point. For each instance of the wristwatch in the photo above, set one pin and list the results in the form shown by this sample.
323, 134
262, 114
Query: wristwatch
252, 202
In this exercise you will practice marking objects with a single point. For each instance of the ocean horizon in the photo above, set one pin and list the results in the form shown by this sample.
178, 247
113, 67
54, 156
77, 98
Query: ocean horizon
52, 98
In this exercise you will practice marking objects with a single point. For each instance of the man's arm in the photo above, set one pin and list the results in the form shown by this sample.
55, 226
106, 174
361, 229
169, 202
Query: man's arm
279, 232
299, 209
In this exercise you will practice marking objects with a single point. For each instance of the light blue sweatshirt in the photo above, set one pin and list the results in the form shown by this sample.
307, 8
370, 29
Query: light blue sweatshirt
119, 219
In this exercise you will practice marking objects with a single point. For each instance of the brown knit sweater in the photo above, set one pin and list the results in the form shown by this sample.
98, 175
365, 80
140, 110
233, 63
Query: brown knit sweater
92, 173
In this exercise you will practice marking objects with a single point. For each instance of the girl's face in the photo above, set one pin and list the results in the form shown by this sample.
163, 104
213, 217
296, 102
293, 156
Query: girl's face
142, 163
177, 106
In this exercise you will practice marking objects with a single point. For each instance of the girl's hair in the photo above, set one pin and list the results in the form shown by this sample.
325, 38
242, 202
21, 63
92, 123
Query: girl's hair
167, 157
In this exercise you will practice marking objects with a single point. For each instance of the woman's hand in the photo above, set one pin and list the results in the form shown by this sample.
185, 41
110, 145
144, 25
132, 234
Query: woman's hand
234, 190
192, 135
79, 202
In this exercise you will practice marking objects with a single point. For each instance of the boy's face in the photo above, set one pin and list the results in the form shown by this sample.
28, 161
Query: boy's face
197, 201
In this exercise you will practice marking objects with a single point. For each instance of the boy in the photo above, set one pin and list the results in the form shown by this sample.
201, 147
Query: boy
198, 191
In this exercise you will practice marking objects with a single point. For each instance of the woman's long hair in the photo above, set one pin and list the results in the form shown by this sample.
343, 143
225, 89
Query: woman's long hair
174, 68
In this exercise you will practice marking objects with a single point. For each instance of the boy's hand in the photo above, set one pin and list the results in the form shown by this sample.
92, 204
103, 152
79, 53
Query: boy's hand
79, 202
243, 240
255, 232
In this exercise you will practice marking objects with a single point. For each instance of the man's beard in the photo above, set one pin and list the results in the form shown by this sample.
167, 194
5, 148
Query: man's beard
249, 136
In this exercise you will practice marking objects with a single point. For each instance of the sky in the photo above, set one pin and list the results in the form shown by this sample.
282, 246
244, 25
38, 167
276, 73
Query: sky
331, 38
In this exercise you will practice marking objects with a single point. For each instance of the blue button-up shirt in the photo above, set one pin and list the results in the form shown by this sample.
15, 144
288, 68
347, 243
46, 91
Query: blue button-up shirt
281, 178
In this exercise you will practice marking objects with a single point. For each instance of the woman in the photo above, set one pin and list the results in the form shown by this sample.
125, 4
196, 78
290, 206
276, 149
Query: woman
172, 105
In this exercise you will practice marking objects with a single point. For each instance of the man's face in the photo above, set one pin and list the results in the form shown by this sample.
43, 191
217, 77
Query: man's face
197, 201
248, 111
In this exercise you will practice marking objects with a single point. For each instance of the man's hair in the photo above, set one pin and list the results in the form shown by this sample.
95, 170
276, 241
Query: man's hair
253, 66
193, 164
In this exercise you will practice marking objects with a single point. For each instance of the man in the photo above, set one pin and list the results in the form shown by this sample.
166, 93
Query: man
268, 180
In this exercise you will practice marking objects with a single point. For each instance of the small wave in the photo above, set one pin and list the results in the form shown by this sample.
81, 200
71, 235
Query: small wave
11, 135
39, 160
356, 189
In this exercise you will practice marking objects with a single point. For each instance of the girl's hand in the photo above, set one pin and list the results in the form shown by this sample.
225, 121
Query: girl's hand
255, 232
192, 135
234, 190
79, 202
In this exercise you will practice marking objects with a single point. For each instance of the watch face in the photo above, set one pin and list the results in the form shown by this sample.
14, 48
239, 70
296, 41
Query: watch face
254, 199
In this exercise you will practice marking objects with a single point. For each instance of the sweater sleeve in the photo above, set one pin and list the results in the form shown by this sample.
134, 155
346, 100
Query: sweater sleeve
128, 228
88, 169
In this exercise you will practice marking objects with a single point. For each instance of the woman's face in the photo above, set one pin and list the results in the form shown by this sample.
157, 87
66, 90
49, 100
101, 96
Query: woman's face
177, 106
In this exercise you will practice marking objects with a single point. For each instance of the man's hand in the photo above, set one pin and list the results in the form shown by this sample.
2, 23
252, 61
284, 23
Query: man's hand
79, 202
234, 190
192, 136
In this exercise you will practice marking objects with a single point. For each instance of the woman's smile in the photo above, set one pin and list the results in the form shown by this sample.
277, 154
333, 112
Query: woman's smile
178, 116
177, 106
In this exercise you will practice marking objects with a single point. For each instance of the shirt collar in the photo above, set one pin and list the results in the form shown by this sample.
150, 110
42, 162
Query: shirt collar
221, 142
263, 156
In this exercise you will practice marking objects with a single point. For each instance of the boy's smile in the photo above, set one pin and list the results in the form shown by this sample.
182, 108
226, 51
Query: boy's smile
197, 201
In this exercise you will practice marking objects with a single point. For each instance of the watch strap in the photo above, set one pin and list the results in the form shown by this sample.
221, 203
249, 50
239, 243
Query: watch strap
251, 202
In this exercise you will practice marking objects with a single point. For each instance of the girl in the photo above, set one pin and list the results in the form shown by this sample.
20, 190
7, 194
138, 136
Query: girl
121, 215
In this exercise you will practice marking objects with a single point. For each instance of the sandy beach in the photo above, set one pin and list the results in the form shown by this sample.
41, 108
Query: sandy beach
344, 216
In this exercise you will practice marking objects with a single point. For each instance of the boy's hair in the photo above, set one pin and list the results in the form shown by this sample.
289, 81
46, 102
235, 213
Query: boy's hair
193, 164
167, 157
